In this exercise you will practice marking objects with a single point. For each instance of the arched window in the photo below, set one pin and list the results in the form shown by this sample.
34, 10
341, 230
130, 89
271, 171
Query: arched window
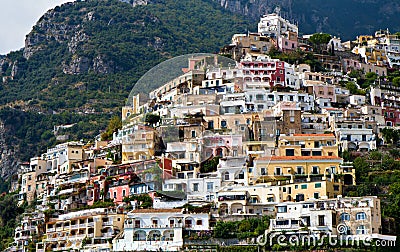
361, 216
361, 230
345, 217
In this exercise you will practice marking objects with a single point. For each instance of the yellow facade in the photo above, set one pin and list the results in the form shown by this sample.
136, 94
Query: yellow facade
139, 145
308, 145
303, 177
69, 230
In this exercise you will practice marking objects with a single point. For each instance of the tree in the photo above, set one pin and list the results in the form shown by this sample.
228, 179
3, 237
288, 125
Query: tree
362, 168
152, 118
114, 125
352, 87
320, 38
396, 81
390, 135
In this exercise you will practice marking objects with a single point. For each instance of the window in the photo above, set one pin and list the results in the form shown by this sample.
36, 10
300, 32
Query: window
123, 193
223, 124
315, 170
316, 195
361, 230
115, 195
299, 170
336, 188
317, 185
226, 176
278, 171
210, 124
29, 188
304, 186
195, 187
199, 222
321, 220
210, 186
289, 152
345, 217
291, 119
263, 171
193, 133
361, 216
137, 223
282, 209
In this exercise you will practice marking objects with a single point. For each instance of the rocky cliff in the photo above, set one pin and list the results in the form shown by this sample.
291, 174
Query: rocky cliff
82, 59
345, 18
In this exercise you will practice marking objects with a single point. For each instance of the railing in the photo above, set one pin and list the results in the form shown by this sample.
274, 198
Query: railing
107, 223
51, 230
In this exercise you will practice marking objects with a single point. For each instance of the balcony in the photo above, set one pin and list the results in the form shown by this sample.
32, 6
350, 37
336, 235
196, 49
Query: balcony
50, 230
107, 235
108, 223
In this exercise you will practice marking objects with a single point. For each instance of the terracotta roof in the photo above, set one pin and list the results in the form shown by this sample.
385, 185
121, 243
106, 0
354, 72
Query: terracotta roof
314, 135
172, 210
277, 158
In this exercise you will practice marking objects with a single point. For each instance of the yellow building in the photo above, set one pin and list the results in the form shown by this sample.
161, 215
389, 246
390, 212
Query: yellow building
304, 177
95, 226
138, 143
308, 145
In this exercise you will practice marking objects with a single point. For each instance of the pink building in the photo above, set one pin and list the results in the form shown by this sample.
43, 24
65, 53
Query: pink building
222, 145
118, 192
262, 72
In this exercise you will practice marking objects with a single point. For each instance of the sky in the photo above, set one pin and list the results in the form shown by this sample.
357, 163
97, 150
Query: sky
17, 17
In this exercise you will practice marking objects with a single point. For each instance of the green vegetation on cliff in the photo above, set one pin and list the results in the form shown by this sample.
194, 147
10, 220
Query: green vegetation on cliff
83, 58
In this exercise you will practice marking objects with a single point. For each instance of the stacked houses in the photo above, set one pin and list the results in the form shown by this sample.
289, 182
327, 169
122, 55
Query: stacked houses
256, 137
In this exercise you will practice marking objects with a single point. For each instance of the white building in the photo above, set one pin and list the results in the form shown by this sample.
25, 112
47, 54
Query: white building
60, 158
356, 139
358, 216
155, 229
357, 100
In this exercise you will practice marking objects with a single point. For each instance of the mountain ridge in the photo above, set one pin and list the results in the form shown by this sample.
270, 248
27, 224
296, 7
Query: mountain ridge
82, 59
343, 18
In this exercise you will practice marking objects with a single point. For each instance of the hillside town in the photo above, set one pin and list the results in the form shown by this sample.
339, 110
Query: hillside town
223, 142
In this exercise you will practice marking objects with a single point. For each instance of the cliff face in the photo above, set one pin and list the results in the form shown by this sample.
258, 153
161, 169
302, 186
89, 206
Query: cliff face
54, 26
8, 155
345, 18
82, 59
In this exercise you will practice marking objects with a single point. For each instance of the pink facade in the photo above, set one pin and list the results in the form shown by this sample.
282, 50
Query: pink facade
285, 44
118, 193
266, 72
222, 145
325, 91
